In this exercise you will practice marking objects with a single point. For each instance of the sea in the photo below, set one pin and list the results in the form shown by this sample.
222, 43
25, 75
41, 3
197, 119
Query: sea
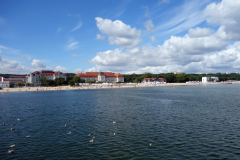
180, 122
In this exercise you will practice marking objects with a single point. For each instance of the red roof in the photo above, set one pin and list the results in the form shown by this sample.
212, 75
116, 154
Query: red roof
95, 75
4, 79
17, 77
48, 73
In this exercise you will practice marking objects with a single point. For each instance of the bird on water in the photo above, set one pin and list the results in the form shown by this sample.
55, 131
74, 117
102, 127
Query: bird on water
12, 146
69, 133
150, 145
10, 151
114, 122
28, 136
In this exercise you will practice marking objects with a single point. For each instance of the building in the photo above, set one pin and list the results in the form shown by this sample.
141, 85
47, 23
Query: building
17, 79
154, 80
4, 83
101, 77
33, 78
177, 72
228, 72
209, 79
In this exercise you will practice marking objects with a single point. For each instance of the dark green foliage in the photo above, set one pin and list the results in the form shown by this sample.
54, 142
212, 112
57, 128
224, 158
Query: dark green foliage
71, 83
59, 81
43, 80
11, 85
49, 83
76, 79
90, 82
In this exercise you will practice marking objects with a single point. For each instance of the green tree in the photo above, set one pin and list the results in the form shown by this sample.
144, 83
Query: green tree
11, 85
181, 77
76, 79
71, 82
137, 80
147, 75
43, 80
171, 78
49, 82
59, 81
28, 84
90, 81
20, 84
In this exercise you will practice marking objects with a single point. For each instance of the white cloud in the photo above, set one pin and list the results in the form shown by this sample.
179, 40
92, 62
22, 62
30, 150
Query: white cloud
226, 14
200, 32
62, 69
79, 25
73, 55
149, 25
119, 33
153, 39
37, 64
72, 45
77, 70
13, 67
100, 37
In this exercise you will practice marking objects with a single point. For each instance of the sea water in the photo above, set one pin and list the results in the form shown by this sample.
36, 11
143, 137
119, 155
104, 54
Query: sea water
181, 122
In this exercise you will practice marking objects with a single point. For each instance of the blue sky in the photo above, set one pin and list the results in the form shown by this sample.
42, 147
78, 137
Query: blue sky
127, 36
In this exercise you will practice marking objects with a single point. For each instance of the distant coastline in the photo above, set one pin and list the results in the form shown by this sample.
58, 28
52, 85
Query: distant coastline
64, 88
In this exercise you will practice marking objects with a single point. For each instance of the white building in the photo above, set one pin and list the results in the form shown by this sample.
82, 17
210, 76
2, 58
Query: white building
101, 77
17, 79
33, 78
209, 79
4, 83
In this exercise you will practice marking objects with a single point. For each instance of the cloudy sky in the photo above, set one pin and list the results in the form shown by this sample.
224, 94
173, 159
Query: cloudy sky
126, 36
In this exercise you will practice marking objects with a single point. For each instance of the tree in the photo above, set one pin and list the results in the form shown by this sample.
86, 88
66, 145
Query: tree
71, 83
90, 81
59, 81
76, 79
20, 84
11, 85
170, 78
28, 84
137, 80
43, 80
181, 77
147, 75
49, 82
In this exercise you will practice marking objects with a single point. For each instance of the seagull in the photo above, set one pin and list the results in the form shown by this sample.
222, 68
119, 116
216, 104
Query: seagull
73, 126
91, 141
10, 151
114, 122
150, 145
93, 138
65, 125
12, 128
18, 119
114, 134
28, 136
69, 133
3, 123
89, 135
12, 146
13, 124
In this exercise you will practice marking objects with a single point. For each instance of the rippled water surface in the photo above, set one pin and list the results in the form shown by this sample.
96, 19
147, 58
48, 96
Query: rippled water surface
181, 122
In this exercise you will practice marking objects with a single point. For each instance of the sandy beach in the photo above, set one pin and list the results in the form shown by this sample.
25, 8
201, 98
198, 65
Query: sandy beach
63, 88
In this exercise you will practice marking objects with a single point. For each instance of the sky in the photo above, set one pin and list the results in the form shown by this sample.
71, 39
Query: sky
120, 36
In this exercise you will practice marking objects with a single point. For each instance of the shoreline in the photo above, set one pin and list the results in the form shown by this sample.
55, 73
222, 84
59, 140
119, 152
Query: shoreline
65, 88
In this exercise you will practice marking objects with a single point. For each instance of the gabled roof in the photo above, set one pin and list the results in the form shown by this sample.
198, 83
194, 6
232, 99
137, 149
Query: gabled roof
4, 79
17, 77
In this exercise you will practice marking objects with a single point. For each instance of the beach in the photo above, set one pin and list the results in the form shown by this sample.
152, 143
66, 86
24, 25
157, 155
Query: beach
115, 86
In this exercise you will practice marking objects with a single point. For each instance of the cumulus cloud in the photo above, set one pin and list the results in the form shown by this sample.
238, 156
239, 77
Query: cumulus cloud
62, 69
226, 14
37, 64
200, 32
100, 37
153, 39
149, 25
13, 67
119, 33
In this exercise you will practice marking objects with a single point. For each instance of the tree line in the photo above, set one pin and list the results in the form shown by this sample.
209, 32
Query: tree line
179, 78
